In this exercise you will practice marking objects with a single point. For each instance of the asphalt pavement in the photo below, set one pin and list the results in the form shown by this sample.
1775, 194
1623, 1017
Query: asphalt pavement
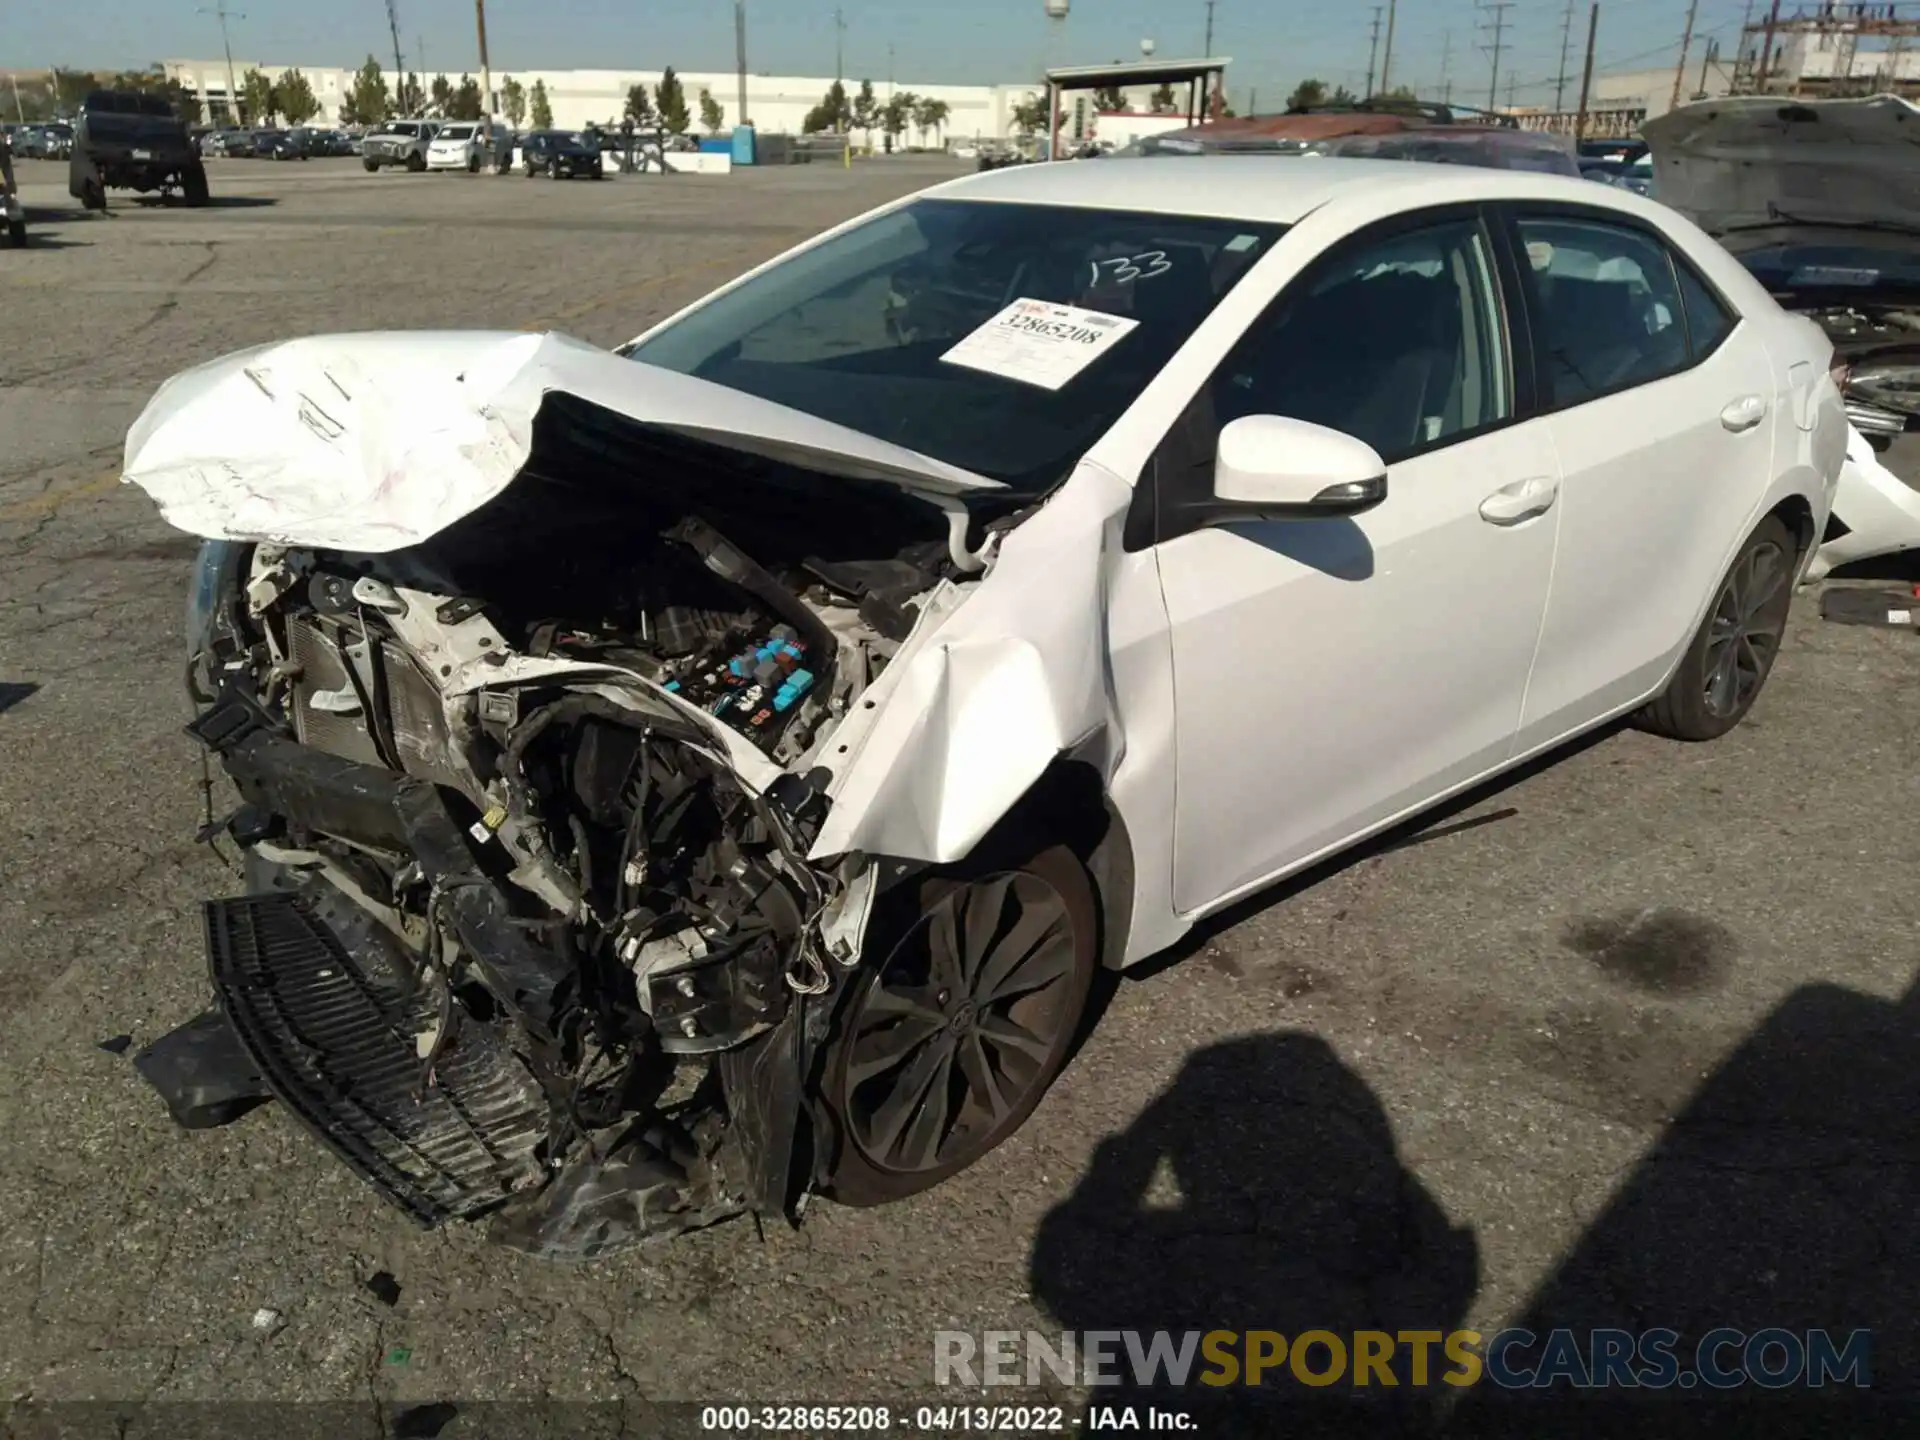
1633, 1039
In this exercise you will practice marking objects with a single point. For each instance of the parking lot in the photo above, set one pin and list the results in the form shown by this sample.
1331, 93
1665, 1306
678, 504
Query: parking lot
1633, 1040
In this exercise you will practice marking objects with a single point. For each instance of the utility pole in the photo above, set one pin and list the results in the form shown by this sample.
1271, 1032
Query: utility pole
486, 74
1446, 66
740, 57
1386, 52
839, 46
1586, 76
1560, 81
1680, 67
233, 90
1373, 53
1207, 53
399, 69
1766, 51
1498, 9
18, 109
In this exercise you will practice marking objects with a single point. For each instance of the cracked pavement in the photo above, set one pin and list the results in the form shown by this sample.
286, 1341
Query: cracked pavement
1619, 1041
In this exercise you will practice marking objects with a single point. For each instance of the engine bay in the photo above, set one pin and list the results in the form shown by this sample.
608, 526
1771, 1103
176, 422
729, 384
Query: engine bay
563, 763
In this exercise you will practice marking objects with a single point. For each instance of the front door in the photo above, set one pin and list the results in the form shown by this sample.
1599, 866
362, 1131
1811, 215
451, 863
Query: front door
1332, 675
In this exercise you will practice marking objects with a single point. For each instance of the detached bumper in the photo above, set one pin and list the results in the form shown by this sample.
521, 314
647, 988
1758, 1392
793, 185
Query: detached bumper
1876, 504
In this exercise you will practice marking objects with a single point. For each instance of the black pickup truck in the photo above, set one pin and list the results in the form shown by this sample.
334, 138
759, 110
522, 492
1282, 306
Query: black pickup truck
127, 140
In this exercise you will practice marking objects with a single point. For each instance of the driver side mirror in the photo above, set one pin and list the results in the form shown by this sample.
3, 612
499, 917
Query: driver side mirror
1274, 467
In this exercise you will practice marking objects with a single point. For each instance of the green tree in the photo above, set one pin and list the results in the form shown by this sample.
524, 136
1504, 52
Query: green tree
466, 104
513, 102
367, 98
70, 87
712, 113
832, 113
672, 102
1307, 94
1163, 101
542, 116
929, 115
897, 114
412, 99
638, 109
866, 111
1030, 115
1342, 96
258, 104
440, 95
296, 98
1109, 98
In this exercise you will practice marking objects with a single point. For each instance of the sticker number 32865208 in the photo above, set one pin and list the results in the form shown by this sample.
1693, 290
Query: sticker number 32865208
1039, 342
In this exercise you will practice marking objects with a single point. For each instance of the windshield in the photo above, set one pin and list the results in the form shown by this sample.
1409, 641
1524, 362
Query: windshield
1843, 265
394, 127
906, 327
456, 132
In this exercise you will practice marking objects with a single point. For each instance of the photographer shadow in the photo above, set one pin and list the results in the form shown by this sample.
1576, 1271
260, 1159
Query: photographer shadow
1785, 1197
1261, 1191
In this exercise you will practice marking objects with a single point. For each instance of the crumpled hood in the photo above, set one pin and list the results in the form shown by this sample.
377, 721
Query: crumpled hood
375, 442
1756, 159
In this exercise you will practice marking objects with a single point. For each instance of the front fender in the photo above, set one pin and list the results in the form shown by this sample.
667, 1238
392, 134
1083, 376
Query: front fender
973, 712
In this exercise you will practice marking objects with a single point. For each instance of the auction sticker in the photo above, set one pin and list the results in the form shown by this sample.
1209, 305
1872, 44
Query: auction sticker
1040, 343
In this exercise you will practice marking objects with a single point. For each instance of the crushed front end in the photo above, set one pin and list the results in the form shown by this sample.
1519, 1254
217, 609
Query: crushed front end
531, 930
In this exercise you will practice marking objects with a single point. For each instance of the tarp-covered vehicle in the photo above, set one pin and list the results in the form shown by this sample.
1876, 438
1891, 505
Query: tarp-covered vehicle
128, 140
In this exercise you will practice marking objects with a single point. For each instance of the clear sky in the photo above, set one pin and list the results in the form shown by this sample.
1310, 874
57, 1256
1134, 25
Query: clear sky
1274, 43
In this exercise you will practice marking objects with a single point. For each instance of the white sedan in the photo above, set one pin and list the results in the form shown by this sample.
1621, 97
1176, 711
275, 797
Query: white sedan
714, 772
457, 147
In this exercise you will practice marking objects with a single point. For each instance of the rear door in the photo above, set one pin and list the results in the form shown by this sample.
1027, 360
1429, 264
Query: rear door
1661, 408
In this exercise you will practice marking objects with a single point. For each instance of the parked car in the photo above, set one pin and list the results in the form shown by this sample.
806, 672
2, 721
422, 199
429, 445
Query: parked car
279, 145
398, 142
227, 144
52, 141
770, 728
1413, 131
1812, 198
131, 140
560, 154
10, 207
457, 146
1628, 176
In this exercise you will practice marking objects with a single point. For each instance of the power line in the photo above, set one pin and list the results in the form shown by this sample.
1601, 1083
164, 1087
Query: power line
1566, 36
1498, 26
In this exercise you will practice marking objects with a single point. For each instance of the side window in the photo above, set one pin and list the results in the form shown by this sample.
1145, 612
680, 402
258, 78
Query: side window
1607, 313
1398, 342
1708, 319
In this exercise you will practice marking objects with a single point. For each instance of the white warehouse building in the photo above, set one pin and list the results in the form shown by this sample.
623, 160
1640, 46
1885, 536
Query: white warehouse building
776, 104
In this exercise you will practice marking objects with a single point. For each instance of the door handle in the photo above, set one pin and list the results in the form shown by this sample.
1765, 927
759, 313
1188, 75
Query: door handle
1744, 413
1520, 501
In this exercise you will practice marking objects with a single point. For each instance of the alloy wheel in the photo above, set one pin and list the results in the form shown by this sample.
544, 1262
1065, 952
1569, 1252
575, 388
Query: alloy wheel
1744, 634
962, 1026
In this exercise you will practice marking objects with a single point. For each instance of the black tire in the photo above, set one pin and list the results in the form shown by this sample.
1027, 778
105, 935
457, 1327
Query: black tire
193, 187
416, 162
473, 164
530, 169
16, 233
935, 1060
372, 167
1729, 658
553, 170
93, 195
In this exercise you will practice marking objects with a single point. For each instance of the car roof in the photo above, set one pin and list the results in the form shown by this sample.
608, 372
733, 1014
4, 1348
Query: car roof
1278, 189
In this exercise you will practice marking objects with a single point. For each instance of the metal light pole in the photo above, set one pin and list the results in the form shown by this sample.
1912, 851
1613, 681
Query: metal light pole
399, 70
486, 74
1386, 51
740, 56
1207, 54
233, 94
